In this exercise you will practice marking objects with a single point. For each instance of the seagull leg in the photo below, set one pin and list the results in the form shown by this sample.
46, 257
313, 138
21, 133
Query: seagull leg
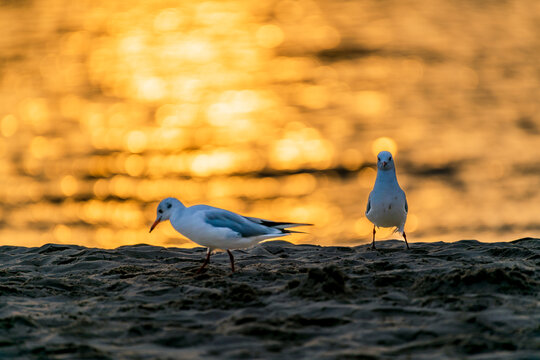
406, 243
232, 259
373, 243
206, 261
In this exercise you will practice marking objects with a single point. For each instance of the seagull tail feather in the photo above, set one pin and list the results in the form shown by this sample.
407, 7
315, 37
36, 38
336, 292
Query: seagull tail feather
287, 231
276, 224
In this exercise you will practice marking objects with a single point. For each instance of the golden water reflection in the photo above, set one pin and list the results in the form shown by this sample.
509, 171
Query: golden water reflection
274, 109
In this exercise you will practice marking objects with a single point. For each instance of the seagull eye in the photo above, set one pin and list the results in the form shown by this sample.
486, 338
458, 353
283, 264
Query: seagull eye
160, 211
390, 158
169, 206
378, 159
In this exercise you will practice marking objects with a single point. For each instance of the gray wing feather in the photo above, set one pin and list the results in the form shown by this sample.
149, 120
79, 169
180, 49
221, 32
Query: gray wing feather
236, 223
368, 204
281, 225
406, 205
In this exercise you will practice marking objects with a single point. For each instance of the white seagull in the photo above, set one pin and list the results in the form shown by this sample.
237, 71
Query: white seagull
216, 228
387, 204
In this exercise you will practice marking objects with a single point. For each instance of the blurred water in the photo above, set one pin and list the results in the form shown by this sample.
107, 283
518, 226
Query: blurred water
270, 108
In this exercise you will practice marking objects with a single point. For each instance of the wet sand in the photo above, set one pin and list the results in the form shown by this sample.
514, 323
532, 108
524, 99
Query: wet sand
457, 300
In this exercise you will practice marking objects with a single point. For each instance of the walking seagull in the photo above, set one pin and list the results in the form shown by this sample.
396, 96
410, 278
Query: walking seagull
216, 228
387, 204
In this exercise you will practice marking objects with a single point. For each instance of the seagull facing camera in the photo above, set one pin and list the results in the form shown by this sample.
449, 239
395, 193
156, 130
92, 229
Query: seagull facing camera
385, 161
387, 204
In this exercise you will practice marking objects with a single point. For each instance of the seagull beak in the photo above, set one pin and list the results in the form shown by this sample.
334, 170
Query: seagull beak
384, 163
155, 224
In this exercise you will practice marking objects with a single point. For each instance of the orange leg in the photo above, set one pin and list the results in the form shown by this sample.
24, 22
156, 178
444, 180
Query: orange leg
206, 261
232, 260
373, 243
406, 243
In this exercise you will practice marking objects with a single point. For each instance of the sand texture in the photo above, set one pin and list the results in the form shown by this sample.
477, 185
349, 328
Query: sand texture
462, 300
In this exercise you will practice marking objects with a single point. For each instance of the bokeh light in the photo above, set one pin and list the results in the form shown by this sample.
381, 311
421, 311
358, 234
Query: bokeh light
274, 109
9, 125
384, 144
269, 36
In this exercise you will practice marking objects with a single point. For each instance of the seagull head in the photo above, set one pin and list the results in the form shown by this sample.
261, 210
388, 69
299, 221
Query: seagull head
165, 210
385, 161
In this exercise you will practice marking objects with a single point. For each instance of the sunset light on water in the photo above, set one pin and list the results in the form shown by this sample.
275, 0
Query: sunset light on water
274, 109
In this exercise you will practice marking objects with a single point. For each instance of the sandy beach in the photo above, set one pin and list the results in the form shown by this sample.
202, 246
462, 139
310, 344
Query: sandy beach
457, 300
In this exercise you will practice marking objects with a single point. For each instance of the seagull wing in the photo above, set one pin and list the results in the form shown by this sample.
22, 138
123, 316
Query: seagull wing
406, 205
237, 223
275, 224
368, 204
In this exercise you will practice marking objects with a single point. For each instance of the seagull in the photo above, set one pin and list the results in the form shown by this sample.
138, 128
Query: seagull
387, 204
216, 228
